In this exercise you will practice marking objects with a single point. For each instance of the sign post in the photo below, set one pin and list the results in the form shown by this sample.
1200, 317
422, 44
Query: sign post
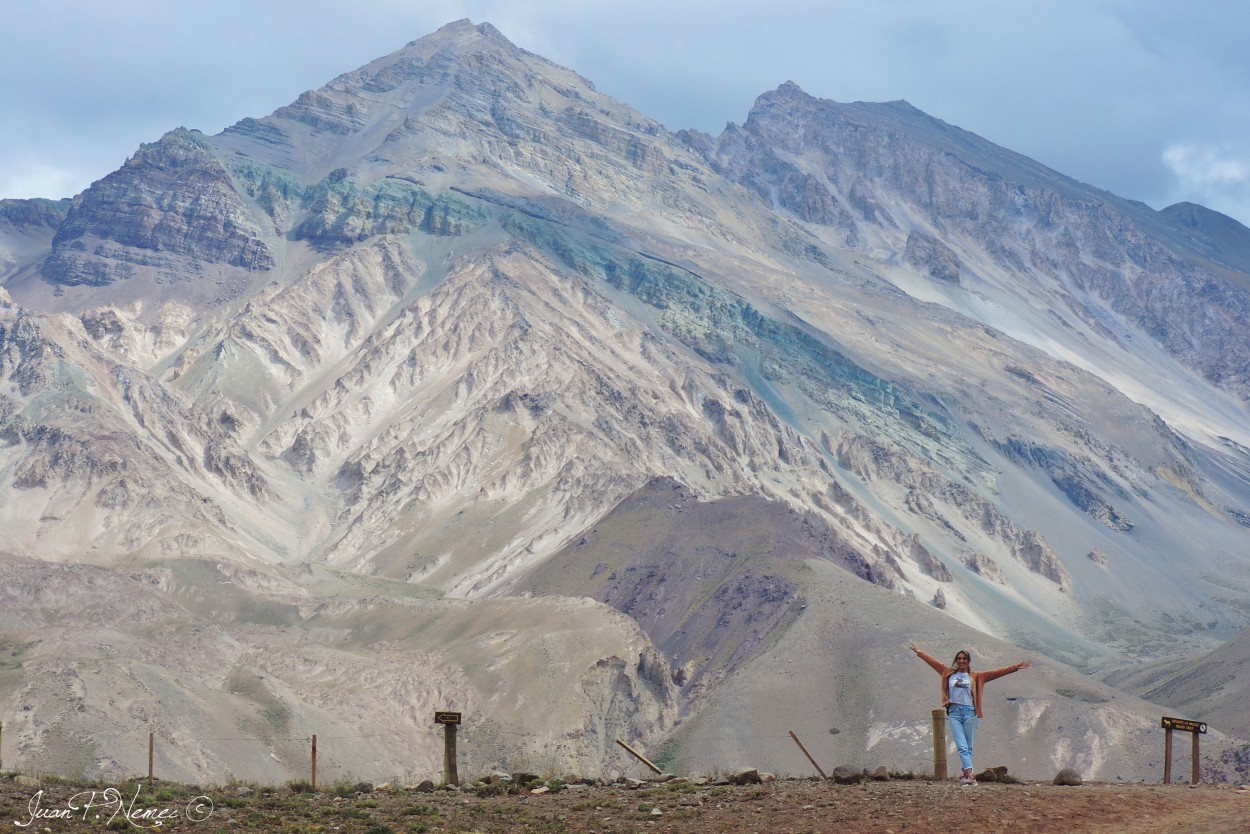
1185, 726
449, 720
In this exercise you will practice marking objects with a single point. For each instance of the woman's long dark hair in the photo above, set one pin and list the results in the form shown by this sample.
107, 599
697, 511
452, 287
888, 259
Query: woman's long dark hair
955, 662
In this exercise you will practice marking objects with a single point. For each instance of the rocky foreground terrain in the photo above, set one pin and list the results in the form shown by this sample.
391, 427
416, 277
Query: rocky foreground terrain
782, 807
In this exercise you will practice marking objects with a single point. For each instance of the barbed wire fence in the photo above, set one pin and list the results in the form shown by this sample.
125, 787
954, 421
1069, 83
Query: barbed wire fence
482, 748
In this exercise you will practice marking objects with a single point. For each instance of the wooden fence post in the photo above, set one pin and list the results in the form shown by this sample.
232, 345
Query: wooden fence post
314, 763
939, 744
151, 750
809, 755
640, 757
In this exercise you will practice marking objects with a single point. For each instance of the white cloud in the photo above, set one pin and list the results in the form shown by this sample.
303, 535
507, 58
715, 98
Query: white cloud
1216, 176
30, 177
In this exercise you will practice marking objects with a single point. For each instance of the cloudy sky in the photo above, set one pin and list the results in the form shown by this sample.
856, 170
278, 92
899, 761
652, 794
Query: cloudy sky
1149, 99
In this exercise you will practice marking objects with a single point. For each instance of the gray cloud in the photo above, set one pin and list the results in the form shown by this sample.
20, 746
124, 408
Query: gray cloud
1149, 99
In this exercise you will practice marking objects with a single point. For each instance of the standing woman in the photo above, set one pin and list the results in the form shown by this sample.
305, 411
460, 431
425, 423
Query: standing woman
961, 695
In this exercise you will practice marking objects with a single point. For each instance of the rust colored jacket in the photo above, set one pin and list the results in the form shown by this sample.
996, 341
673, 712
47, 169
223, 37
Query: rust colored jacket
979, 679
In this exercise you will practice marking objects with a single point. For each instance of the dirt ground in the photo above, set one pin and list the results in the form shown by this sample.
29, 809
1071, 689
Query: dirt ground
781, 807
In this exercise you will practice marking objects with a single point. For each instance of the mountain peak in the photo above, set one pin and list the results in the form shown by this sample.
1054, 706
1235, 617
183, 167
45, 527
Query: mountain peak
369, 112
1194, 215
1216, 235
464, 32
786, 94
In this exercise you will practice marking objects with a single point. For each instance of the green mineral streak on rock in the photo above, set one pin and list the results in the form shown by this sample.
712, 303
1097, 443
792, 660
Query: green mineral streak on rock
725, 328
452, 215
341, 210
276, 191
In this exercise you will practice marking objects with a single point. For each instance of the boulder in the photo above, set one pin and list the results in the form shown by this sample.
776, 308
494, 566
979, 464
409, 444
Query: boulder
746, 777
848, 775
1068, 776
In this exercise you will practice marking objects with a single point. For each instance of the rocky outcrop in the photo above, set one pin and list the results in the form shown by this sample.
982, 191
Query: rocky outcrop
1080, 480
172, 198
983, 565
934, 257
929, 564
1032, 549
952, 506
279, 193
341, 210
756, 165
325, 112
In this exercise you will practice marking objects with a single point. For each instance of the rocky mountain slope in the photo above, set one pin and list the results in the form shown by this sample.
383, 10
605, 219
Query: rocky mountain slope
461, 330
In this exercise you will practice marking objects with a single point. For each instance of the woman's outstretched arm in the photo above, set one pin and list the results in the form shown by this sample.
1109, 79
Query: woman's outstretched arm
1006, 670
940, 667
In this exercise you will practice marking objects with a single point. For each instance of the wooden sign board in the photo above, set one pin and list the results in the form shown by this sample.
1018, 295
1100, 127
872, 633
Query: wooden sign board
446, 718
1184, 725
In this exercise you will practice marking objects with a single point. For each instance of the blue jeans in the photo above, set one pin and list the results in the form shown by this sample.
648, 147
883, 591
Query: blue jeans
963, 723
